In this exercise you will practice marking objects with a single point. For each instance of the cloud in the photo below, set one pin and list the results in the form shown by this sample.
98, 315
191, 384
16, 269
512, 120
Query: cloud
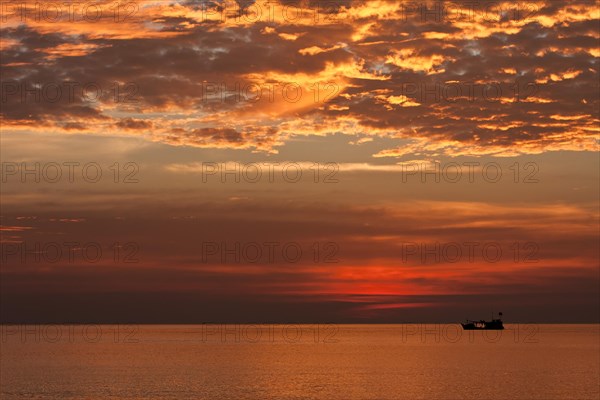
496, 81
373, 269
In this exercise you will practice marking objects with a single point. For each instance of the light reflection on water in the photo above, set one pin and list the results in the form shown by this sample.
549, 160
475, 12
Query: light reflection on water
299, 362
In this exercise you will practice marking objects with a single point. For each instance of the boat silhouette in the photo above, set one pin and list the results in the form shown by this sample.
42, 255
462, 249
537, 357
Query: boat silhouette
494, 324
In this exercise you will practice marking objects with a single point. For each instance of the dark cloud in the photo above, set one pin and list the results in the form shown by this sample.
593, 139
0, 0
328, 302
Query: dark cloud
523, 84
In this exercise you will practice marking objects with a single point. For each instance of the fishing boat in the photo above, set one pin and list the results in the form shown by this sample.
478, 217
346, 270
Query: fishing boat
494, 324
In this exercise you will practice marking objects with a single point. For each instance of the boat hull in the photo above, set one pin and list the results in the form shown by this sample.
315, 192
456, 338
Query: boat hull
483, 326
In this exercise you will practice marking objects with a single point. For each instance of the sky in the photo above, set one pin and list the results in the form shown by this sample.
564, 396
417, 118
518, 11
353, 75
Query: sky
299, 161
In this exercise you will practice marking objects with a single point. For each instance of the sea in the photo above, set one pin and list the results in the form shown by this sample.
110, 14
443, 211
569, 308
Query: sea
321, 361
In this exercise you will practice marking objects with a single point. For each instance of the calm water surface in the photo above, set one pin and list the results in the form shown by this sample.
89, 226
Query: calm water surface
265, 362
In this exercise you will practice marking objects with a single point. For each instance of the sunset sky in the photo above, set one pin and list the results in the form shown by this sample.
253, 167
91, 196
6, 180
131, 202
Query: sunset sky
343, 104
